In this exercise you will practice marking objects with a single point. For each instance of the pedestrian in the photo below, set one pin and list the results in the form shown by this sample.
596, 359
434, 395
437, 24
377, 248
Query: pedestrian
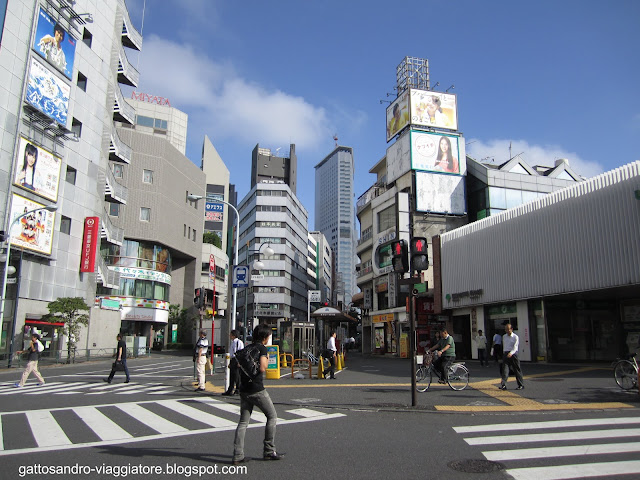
121, 358
35, 347
253, 394
330, 354
481, 342
496, 348
201, 348
510, 343
446, 350
234, 372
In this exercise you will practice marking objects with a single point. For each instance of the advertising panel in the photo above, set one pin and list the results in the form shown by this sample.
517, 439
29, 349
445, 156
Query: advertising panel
436, 153
35, 231
399, 158
434, 109
398, 115
213, 212
437, 193
89, 243
48, 93
38, 170
54, 44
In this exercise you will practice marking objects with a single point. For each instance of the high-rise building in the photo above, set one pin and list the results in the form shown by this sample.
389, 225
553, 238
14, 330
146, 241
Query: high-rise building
270, 167
335, 218
324, 266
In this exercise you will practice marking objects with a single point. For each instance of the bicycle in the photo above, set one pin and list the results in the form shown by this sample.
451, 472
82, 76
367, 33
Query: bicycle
625, 371
311, 357
457, 374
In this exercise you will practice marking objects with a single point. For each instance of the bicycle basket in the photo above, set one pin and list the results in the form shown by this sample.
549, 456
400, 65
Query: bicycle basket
428, 358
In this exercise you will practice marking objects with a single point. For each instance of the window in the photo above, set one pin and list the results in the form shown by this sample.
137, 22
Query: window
118, 170
82, 82
87, 38
147, 176
71, 175
158, 123
65, 224
114, 209
193, 237
387, 218
185, 230
144, 121
76, 127
145, 214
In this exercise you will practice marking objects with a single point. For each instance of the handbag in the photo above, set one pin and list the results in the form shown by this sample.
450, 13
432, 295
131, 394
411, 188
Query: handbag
118, 366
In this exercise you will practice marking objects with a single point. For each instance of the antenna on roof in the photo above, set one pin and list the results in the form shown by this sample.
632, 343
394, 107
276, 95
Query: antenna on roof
335, 138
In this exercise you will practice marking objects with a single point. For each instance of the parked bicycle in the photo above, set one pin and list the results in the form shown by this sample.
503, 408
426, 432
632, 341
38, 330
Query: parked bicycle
311, 357
625, 371
457, 374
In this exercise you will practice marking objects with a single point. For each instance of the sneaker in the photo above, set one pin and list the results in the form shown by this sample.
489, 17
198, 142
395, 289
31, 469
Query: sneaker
273, 456
520, 387
41, 384
227, 394
17, 385
106, 380
126, 381
502, 387
199, 390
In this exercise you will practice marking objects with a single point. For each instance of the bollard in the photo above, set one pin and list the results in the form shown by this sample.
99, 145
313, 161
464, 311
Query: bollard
320, 368
284, 361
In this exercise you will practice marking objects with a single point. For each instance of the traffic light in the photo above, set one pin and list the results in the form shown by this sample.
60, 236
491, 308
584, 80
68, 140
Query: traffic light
198, 299
419, 254
400, 258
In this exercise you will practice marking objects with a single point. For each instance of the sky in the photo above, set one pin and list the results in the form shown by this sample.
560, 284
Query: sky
549, 79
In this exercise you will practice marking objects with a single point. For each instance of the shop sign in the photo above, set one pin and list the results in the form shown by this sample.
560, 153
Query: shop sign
385, 317
89, 243
368, 299
108, 304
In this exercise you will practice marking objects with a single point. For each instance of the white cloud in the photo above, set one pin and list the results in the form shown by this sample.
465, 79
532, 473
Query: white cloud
498, 152
233, 107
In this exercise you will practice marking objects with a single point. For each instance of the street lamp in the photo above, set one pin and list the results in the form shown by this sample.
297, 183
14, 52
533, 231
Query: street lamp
50, 208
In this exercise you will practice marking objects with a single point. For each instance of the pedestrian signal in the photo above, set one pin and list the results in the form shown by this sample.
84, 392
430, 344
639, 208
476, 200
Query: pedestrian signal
400, 256
419, 254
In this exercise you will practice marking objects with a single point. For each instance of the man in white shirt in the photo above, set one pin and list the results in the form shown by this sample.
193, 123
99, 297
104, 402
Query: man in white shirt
330, 354
201, 358
481, 342
510, 345
234, 373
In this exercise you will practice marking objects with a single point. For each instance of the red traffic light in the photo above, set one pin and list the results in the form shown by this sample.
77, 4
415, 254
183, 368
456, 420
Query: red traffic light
419, 245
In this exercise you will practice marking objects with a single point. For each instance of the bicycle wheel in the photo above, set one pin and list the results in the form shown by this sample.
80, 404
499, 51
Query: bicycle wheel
458, 377
625, 374
423, 379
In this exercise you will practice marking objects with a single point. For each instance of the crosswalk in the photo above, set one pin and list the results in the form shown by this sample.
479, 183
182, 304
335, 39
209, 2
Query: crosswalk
564, 449
97, 425
87, 388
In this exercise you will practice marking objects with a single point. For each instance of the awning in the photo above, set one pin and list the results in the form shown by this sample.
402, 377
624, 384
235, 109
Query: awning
330, 314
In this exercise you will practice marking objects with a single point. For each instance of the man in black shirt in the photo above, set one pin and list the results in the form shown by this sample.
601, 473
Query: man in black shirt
32, 361
253, 393
121, 356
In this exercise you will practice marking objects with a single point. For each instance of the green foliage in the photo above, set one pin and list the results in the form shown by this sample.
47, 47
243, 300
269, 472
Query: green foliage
212, 238
186, 322
68, 310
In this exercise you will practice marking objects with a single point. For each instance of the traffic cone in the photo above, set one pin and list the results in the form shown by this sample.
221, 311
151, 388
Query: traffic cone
321, 368
338, 362
283, 363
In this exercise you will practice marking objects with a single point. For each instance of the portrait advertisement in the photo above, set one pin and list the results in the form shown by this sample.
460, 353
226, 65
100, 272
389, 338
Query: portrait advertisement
37, 170
438, 193
397, 115
53, 43
435, 152
34, 231
434, 109
48, 93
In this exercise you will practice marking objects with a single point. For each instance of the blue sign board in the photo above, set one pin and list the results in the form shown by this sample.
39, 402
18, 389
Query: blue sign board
214, 207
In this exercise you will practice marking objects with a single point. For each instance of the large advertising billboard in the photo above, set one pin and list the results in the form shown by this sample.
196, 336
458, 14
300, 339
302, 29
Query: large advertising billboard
35, 231
37, 170
399, 158
54, 44
438, 193
48, 93
434, 109
213, 212
398, 115
436, 152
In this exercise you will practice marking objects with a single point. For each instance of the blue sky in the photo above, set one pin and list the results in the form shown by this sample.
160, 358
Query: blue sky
553, 79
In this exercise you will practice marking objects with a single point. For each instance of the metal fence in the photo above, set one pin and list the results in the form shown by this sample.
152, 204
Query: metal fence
77, 356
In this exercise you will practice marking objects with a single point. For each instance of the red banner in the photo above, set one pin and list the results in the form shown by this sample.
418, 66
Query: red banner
89, 244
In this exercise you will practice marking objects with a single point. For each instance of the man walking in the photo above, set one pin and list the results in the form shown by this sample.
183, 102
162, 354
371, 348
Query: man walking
201, 359
253, 394
32, 361
330, 354
481, 341
121, 357
510, 344
234, 371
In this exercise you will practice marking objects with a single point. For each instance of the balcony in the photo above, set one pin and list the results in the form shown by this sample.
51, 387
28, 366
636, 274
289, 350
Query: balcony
109, 231
365, 198
108, 278
122, 111
131, 38
113, 191
127, 74
118, 150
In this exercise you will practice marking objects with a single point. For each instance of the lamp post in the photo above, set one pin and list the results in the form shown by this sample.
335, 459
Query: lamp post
259, 266
50, 208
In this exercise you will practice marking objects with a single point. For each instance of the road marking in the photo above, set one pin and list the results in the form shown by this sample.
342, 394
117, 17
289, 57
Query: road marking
588, 422
46, 431
305, 412
199, 415
548, 452
101, 425
150, 419
581, 470
545, 437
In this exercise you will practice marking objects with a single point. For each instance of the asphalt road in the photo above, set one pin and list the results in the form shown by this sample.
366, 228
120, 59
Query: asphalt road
360, 425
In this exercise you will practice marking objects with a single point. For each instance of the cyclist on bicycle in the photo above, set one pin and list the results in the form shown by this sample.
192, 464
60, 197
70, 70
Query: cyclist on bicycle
446, 350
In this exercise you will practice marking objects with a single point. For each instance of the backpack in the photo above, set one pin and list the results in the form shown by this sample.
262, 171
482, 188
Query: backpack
248, 363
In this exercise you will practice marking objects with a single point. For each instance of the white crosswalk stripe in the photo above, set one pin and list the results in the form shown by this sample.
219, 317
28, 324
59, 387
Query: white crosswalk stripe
118, 423
569, 441
87, 388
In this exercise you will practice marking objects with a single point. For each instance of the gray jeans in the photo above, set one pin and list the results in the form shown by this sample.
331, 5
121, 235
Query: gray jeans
262, 400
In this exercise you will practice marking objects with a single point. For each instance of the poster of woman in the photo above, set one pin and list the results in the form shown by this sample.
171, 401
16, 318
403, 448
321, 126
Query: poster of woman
53, 43
434, 152
37, 170
34, 231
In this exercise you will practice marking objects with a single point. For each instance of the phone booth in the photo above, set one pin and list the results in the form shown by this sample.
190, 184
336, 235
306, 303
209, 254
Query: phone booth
297, 337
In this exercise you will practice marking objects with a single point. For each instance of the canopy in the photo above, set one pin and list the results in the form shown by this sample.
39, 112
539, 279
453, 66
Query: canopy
330, 314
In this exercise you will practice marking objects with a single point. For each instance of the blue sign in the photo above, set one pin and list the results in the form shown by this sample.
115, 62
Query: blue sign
214, 207
240, 276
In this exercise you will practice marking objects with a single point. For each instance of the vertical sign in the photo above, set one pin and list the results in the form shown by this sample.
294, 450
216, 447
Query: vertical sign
89, 244
212, 268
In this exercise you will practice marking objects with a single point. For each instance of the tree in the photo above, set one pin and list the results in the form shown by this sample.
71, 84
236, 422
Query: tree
67, 310
186, 322
212, 238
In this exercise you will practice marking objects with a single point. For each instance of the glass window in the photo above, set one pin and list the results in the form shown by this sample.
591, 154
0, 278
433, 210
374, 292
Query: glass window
65, 224
114, 209
87, 38
145, 214
147, 176
71, 175
514, 197
387, 218
144, 121
118, 170
497, 197
82, 82
76, 127
529, 196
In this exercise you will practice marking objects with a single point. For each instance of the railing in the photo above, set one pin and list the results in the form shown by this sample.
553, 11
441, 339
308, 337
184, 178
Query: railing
123, 112
77, 356
112, 187
130, 36
109, 231
127, 73
369, 195
118, 150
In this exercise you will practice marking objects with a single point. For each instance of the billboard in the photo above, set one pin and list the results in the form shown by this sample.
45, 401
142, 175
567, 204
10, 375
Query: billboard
434, 109
54, 44
213, 212
437, 152
48, 93
399, 158
35, 231
438, 193
37, 170
398, 115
